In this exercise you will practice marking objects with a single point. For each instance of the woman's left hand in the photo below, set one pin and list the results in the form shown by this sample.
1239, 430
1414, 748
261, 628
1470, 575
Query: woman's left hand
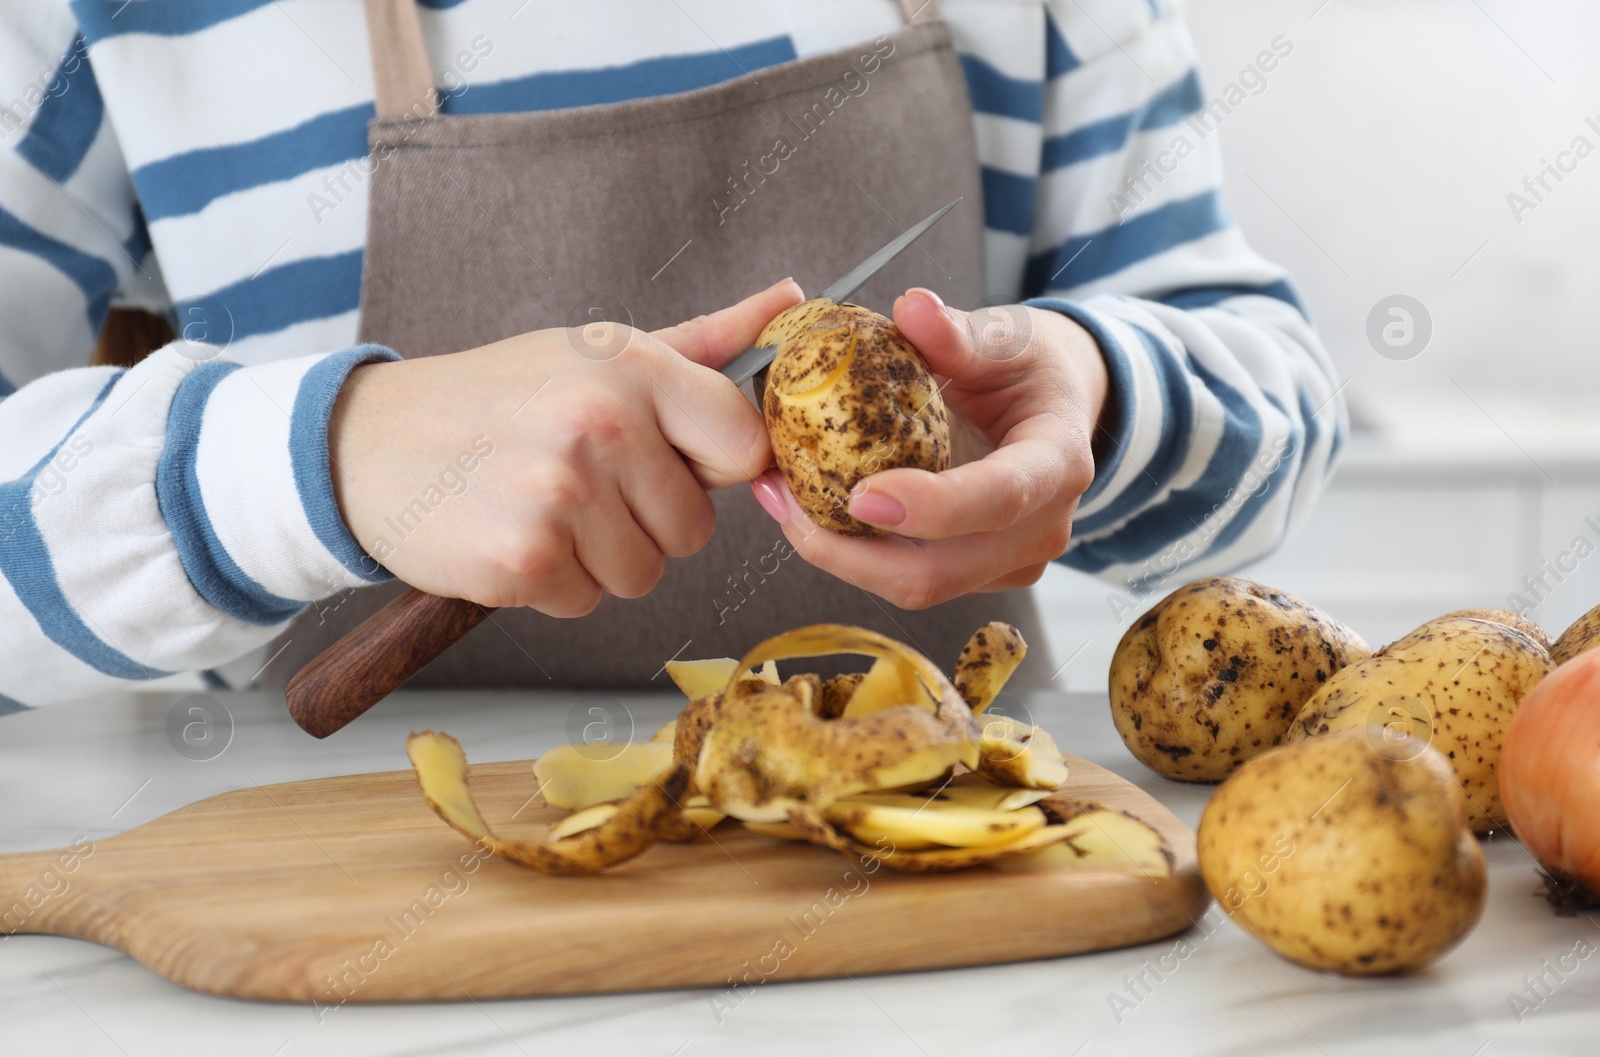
1032, 384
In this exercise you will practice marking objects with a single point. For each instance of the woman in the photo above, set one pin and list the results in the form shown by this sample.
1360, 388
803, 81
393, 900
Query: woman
1140, 382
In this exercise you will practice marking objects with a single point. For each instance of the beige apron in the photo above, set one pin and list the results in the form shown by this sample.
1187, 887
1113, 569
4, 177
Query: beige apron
650, 212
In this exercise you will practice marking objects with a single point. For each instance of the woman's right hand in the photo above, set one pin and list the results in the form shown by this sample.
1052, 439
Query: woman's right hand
553, 466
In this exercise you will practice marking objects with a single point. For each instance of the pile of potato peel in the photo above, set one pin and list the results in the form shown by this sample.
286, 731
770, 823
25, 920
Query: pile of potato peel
900, 764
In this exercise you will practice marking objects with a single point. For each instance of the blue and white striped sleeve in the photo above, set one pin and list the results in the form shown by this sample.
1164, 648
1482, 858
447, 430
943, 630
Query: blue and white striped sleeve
1226, 417
164, 518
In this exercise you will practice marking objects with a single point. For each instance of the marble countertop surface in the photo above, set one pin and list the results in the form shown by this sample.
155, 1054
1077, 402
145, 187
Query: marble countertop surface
106, 765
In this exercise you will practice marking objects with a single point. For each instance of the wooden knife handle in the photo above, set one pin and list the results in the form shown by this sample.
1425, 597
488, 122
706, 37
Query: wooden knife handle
377, 656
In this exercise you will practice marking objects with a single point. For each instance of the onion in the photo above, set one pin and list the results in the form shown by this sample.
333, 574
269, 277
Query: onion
1550, 780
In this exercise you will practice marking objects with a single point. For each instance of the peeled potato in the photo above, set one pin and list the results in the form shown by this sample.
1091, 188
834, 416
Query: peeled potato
845, 397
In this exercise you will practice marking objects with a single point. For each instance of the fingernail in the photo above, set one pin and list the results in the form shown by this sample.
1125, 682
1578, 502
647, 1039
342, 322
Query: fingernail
932, 297
767, 495
877, 508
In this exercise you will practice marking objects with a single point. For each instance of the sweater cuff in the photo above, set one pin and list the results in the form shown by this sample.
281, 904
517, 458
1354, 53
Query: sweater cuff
1128, 362
262, 484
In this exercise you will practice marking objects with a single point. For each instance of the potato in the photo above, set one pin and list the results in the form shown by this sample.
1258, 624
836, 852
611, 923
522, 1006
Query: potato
1507, 617
1584, 634
1454, 682
845, 397
1340, 856
1216, 672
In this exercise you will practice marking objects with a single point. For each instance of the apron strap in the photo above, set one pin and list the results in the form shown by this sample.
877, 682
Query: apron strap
401, 74
403, 79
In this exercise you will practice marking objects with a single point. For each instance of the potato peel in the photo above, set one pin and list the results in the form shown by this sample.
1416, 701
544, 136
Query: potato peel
836, 694
819, 830
1019, 755
975, 790
911, 821
578, 821
889, 683
766, 748
441, 768
776, 830
890, 763
987, 661
1079, 835
573, 777
821, 640
697, 819
689, 729
699, 679
1103, 839
770, 751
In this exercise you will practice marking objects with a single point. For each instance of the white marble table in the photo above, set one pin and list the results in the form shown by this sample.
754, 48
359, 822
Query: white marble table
103, 766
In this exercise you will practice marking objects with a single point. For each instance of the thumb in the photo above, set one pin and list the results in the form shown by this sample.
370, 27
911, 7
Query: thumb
978, 348
714, 340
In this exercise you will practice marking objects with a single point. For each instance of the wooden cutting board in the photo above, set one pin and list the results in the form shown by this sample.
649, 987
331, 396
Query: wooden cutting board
350, 889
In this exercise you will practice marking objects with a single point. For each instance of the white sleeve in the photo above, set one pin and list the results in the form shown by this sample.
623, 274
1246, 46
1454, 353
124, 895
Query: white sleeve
181, 513
165, 518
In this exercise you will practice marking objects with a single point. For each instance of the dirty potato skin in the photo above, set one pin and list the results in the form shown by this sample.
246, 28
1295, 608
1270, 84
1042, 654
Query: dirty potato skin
845, 397
836, 694
1507, 617
1454, 682
1584, 634
1216, 672
1344, 858
987, 661
771, 752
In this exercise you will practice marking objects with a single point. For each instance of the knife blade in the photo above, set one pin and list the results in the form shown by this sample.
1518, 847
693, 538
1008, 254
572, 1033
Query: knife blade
744, 366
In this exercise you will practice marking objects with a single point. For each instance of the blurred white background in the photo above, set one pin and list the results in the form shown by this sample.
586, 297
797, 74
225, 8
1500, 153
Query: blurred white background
1378, 161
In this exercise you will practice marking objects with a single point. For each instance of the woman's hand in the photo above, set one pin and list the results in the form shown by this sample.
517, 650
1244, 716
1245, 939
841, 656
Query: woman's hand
548, 468
1032, 385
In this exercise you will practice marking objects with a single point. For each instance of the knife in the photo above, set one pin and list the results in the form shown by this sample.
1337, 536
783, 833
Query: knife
751, 361
382, 652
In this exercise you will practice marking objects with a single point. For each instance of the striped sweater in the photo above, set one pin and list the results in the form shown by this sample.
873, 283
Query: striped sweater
205, 159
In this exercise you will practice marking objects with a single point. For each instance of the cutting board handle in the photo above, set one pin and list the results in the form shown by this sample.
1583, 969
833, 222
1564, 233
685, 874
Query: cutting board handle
35, 887
376, 657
